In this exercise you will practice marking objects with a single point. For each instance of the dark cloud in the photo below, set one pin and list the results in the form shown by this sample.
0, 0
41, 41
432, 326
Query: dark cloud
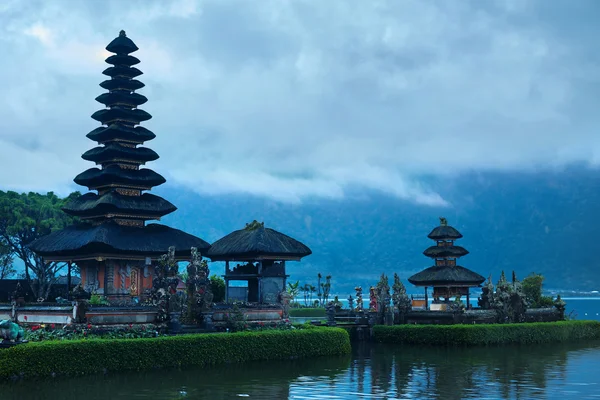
306, 98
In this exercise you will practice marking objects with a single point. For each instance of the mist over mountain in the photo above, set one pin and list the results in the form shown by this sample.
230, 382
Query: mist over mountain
541, 222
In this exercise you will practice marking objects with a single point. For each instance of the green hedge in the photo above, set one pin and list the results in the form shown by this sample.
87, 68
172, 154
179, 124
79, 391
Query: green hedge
78, 357
307, 312
468, 335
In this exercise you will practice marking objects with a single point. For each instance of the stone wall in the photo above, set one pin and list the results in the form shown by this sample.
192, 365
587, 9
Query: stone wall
65, 315
476, 316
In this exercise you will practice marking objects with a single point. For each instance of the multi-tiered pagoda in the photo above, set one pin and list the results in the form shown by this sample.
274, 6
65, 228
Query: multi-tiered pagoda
113, 246
448, 279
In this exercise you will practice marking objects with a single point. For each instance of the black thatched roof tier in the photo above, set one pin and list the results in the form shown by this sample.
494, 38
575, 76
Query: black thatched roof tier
122, 45
92, 205
110, 238
107, 116
122, 84
115, 152
446, 276
104, 134
445, 251
119, 59
95, 178
444, 232
257, 242
122, 71
120, 98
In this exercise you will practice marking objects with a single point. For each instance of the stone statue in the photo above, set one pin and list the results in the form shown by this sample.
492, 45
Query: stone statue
199, 292
351, 303
9, 331
79, 293
487, 293
443, 221
560, 305
372, 299
18, 296
285, 299
162, 283
330, 312
359, 299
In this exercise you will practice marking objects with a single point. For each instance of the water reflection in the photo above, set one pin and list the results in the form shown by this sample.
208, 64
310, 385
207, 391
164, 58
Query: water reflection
375, 372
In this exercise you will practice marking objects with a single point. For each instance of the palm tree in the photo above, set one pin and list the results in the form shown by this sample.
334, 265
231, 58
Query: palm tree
293, 290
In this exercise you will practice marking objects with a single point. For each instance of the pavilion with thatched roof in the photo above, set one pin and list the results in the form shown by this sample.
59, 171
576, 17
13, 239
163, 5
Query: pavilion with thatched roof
447, 279
264, 253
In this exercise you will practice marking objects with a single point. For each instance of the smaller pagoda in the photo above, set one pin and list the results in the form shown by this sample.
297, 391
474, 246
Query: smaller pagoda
263, 253
448, 279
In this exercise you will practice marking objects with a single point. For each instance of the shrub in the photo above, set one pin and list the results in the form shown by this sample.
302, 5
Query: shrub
469, 335
307, 312
97, 300
45, 332
78, 357
545, 301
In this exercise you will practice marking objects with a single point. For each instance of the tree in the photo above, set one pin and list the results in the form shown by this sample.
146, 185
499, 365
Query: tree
6, 262
293, 289
487, 294
400, 299
532, 287
25, 217
383, 294
319, 287
217, 285
326, 287
306, 291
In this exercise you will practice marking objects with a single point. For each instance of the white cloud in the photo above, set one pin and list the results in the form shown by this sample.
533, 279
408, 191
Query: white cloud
41, 33
306, 99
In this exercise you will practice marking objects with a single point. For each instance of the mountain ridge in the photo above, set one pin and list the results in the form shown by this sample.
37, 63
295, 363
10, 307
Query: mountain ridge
528, 222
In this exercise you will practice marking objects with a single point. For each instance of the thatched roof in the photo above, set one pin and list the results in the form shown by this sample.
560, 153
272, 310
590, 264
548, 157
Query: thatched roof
92, 204
257, 242
111, 238
444, 232
114, 151
121, 98
446, 275
445, 251
106, 116
117, 83
139, 134
95, 178
120, 59
122, 45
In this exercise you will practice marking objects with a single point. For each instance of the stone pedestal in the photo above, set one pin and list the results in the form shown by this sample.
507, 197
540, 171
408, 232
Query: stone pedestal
389, 318
174, 325
208, 322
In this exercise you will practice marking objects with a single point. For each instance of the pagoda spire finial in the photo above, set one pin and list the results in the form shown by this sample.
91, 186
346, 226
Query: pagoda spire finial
443, 221
122, 33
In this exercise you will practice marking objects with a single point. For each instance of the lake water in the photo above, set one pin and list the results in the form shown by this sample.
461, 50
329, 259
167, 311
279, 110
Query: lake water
564, 371
556, 371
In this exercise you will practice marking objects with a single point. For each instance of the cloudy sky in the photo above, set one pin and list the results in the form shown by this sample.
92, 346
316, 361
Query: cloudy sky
307, 98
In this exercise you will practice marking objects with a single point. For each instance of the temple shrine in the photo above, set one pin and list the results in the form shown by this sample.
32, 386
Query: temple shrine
263, 253
447, 279
113, 246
